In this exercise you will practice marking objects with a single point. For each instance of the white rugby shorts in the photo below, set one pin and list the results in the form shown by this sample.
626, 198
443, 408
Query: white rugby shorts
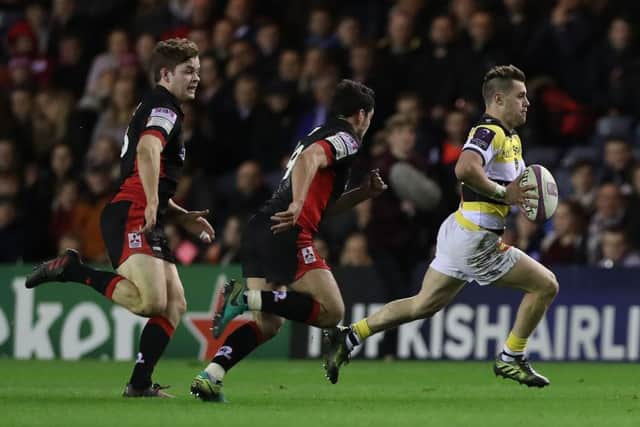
471, 253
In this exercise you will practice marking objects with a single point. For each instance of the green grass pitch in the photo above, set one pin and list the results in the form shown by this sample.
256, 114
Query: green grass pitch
295, 393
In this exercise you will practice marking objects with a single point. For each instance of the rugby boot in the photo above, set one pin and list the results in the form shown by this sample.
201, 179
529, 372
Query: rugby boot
336, 352
53, 270
154, 390
207, 389
519, 370
232, 305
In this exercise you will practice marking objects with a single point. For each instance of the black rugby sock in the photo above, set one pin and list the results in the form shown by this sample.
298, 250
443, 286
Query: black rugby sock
102, 281
238, 345
153, 341
288, 304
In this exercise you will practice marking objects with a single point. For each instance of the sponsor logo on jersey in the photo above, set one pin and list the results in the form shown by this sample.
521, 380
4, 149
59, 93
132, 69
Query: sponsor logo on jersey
308, 256
344, 144
482, 138
164, 118
135, 240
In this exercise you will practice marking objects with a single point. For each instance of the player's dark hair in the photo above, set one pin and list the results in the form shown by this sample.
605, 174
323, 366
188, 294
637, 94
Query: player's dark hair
500, 79
169, 53
351, 97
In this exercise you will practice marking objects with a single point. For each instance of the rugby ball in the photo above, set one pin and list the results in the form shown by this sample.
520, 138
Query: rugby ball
546, 189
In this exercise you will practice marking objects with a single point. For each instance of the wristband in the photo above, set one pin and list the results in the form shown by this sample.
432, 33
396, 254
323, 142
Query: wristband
499, 192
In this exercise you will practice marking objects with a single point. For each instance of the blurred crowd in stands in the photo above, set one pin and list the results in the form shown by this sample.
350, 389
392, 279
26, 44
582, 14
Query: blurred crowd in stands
72, 72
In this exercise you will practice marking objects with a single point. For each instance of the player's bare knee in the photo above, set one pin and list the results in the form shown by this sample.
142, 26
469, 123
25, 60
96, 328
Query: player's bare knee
330, 316
551, 287
153, 307
337, 313
269, 327
179, 305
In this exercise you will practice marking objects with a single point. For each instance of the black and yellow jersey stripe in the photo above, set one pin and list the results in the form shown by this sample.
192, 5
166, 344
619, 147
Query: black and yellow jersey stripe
501, 152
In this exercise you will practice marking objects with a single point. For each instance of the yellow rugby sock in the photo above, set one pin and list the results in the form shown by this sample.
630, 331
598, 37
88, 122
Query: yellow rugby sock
515, 344
362, 329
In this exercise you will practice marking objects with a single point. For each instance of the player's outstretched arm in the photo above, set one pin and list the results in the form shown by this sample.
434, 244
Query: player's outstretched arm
372, 186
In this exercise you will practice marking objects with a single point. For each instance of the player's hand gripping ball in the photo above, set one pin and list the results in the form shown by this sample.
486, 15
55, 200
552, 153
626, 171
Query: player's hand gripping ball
546, 188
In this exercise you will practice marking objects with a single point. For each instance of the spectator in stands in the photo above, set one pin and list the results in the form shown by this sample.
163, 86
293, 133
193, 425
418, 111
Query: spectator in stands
201, 38
398, 50
583, 184
9, 160
484, 51
518, 26
240, 14
11, 231
106, 151
144, 48
567, 243
618, 164
560, 47
242, 59
71, 71
456, 127
320, 29
222, 38
86, 212
462, 11
316, 64
62, 206
611, 69
355, 252
434, 76
633, 208
610, 211
524, 235
185, 251
210, 95
616, 250
268, 42
348, 35
22, 108
282, 107
108, 61
396, 218
289, 68
226, 250
50, 120
113, 121
249, 192
322, 89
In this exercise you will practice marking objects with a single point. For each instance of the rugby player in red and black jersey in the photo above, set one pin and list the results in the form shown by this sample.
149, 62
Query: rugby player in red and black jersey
285, 276
146, 281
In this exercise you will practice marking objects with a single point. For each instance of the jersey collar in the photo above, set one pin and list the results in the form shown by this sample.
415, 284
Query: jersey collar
343, 125
489, 120
163, 90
